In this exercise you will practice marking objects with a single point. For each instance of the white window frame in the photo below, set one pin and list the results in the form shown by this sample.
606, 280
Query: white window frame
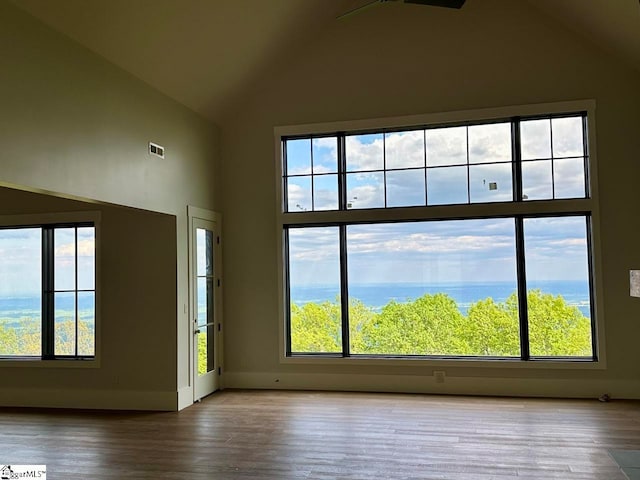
462, 211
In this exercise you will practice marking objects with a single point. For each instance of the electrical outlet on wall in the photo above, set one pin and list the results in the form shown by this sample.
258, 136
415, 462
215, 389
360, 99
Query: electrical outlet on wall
155, 149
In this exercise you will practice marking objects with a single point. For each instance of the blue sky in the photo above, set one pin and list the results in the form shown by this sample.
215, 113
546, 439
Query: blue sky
486, 149
451, 251
21, 260
442, 251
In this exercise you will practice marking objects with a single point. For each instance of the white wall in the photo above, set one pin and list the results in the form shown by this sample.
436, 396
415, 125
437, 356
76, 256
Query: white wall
394, 60
137, 285
73, 124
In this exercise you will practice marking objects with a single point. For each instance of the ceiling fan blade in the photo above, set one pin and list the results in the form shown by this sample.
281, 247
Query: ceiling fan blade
438, 3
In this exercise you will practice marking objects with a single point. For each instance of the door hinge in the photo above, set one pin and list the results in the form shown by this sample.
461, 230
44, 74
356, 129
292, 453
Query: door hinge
218, 240
219, 370
218, 282
219, 326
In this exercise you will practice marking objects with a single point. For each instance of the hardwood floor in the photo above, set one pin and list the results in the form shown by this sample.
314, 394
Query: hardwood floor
326, 435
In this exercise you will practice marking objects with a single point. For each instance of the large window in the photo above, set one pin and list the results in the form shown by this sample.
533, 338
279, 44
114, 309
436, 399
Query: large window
465, 240
48, 291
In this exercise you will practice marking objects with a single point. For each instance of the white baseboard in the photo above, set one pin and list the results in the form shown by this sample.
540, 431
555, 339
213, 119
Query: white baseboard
491, 386
88, 399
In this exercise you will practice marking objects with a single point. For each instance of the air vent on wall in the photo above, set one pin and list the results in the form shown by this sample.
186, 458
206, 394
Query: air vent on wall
157, 150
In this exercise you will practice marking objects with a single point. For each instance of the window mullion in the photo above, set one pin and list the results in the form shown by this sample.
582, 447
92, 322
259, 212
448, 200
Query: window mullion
523, 312
342, 176
48, 307
77, 317
516, 159
287, 274
585, 157
342, 205
592, 310
344, 292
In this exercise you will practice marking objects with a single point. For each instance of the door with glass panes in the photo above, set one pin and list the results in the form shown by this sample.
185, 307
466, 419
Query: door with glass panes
205, 285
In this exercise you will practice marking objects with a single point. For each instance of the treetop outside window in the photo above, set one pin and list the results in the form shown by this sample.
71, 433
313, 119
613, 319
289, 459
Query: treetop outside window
471, 240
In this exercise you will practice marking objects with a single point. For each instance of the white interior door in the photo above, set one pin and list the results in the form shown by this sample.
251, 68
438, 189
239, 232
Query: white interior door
205, 311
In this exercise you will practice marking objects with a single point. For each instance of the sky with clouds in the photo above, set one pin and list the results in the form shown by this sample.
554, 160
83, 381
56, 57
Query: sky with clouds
439, 166
453, 165
21, 260
445, 251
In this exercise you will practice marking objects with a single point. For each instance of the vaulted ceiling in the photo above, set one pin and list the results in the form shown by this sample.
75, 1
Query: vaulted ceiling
205, 53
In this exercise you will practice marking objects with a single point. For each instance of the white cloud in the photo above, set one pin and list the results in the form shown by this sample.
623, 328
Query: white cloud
364, 156
366, 196
446, 146
86, 248
299, 194
567, 137
421, 243
490, 143
535, 139
568, 242
404, 149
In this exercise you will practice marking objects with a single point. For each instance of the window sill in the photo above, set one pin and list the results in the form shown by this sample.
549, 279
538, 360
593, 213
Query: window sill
38, 363
493, 363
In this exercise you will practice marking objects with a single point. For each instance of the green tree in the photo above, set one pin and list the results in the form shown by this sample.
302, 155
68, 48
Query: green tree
202, 353
492, 329
430, 325
316, 327
555, 327
433, 325
65, 338
8, 341
23, 339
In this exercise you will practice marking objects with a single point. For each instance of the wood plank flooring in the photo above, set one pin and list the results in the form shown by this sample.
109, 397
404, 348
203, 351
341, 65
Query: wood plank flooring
327, 435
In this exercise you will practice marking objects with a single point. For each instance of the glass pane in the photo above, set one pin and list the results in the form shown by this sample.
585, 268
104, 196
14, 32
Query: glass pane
433, 288
205, 345
365, 190
536, 180
568, 176
364, 152
535, 139
299, 194
325, 155
20, 291
87, 323
201, 254
314, 288
490, 143
86, 258
325, 192
405, 188
491, 183
567, 137
64, 240
209, 253
205, 300
65, 323
446, 146
298, 157
558, 297
404, 149
204, 253
447, 185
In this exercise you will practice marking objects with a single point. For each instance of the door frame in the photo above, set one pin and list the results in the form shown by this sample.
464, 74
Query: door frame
195, 213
